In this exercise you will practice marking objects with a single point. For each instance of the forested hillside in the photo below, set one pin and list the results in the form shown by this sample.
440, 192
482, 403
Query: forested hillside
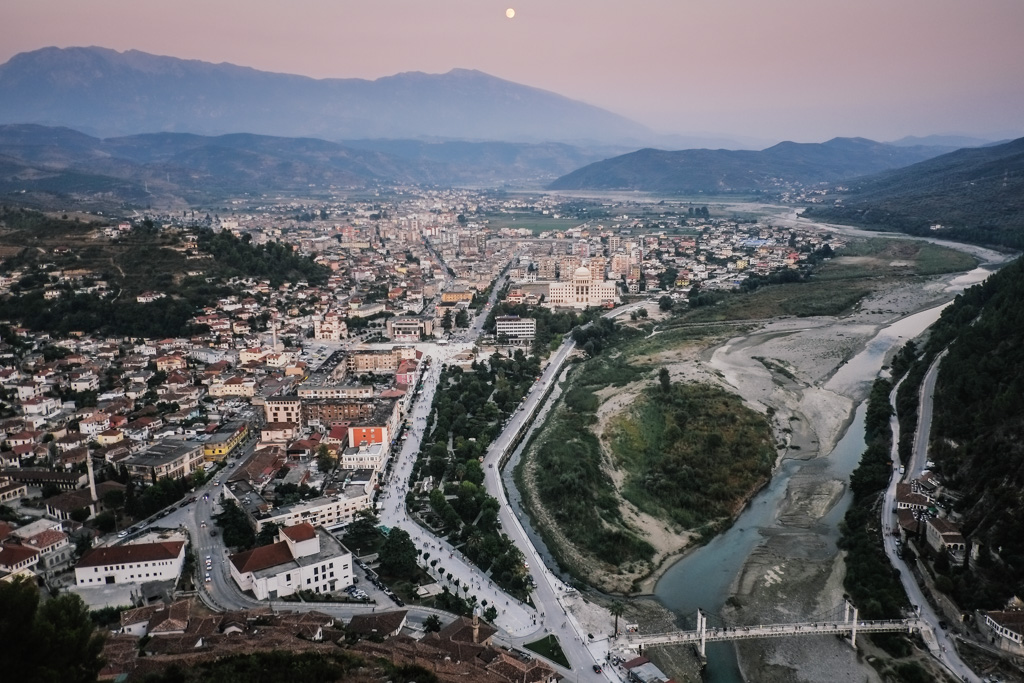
975, 195
978, 431
147, 258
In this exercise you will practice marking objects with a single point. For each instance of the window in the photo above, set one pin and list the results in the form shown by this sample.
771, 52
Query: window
308, 581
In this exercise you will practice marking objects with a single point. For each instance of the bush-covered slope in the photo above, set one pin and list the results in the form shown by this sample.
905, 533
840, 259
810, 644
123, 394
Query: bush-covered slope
976, 195
978, 430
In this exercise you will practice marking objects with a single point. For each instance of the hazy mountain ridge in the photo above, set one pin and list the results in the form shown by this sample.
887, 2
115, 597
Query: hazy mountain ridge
720, 170
108, 93
976, 195
44, 166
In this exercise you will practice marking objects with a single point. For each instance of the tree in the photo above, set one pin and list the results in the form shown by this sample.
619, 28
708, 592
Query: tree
665, 303
617, 609
80, 515
667, 278
268, 534
665, 379
446, 321
398, 555
55, 641
462, 318
106, 522
113, 499
362, 533
324, 461
432, 624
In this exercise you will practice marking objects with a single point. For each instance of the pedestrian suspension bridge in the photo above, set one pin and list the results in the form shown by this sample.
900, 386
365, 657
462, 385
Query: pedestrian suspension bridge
828, 624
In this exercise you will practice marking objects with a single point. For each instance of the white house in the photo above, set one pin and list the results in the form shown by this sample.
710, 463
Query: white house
131, 563
303, 558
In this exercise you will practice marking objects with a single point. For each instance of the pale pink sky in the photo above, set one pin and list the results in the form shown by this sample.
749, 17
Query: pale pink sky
803, 70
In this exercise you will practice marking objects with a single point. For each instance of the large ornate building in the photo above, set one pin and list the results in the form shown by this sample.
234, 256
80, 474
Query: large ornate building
582, 291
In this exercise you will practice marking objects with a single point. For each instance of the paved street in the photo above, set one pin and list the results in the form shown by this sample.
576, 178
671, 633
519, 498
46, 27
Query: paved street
518, 623
938, 640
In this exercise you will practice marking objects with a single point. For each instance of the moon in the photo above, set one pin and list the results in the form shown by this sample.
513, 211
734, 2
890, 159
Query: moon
510, 13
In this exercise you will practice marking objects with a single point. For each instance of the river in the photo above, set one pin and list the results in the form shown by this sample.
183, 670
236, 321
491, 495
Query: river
704, 579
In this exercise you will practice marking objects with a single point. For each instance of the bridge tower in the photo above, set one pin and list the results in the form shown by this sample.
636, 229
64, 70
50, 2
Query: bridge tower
847, 606
702, 629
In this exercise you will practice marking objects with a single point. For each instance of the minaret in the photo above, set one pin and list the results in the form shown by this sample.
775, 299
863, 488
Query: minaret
92, 478
476, 625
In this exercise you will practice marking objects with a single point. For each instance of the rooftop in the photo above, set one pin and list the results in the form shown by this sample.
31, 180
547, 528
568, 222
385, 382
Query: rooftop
129, 554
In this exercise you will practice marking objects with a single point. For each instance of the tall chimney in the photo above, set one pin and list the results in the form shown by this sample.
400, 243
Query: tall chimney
476, 625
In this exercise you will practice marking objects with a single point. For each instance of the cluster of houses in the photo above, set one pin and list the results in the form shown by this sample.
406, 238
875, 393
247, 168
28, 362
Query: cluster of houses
919, 517
181, 634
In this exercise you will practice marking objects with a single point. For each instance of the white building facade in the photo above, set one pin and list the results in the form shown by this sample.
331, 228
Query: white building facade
131, 563
583, 291
303, 558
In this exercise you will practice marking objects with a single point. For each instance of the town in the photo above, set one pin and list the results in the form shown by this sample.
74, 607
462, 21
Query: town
275, 422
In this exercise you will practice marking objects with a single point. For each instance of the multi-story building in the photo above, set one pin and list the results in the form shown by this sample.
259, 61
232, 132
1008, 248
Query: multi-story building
583, 291
365, 456
456, 295
283, 409
303, 558
512, 327
323, 511
372, 361
166, 459
331, 327
330, 389
136, 563
409, 328
225, 440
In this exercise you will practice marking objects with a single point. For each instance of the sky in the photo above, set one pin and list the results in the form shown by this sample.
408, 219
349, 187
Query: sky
803, 70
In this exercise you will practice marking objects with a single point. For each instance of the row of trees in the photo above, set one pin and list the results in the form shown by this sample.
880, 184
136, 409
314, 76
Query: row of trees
871, 581
468, 412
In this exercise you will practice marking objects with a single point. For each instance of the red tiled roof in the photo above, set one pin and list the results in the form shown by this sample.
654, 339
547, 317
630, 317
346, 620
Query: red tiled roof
13, 555
262, 558
46, 538
380, 623
300, 532
129, 554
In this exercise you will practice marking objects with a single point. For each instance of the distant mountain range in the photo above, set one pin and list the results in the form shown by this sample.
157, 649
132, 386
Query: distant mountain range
48, 167
108, 93
721, 170
975, 195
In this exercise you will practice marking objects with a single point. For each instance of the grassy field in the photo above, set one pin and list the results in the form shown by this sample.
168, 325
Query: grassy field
548, 647
532, 222
837, 285
691, 454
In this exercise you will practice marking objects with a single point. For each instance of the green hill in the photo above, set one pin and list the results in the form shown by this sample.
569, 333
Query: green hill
975, 195
977, 439
721, 170
147, 258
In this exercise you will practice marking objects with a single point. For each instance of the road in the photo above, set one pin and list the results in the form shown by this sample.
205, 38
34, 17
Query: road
518, 623
919, 458
940, 643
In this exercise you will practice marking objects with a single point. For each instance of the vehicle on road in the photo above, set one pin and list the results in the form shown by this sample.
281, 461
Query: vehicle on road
597, 668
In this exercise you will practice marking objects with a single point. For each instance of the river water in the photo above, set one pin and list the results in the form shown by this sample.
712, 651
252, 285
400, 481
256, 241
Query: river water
703, 579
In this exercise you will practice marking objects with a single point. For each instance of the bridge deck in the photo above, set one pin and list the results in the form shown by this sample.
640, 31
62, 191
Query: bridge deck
771, 631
